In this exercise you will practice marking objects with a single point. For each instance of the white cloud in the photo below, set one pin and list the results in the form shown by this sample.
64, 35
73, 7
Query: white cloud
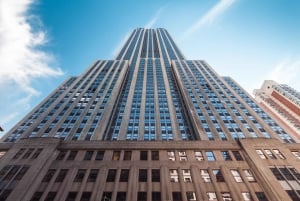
210, 16
22, 60
287, 72
117, 49
154, 19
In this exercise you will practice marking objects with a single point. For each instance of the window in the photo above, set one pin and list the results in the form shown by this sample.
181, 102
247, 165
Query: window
88, 155
154, 155
50, 196
111, 176
278, 154
246, 196
116, 155
182, 156
49, 175
261, 196
156, 196
296, 154
219, 176
5, 194
124, 176
237, 155
144, 155
80, 175
293, 195
106, 196
210, 155
37, 196
121, 196
143, 175
191, 196
71, 196
187, 175
93, 175
19, 153
72, 155
199, 156
270, 154
236, 175
226, 196
127, 155
173, 175
99, 155
211, 196
155, 175
226, 155
176, 196
28, 153
86, 196
21, 173
171, 155
249, 175
61, 155
205, 175
142, 196
36, 153
61, 175
261, 154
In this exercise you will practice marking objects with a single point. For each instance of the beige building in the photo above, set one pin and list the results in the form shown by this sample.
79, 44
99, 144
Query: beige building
282, 103
149, 126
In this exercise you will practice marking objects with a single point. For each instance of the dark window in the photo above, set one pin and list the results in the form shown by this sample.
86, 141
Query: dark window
142, 196
28, 153
155, 175
176, 196
86, 196
143, 175
121, 196
61, 155
88, 155
36, 153
226, 155
50, 196
93, 175
4, 170
287, 174
36, 196
237, 156
72, 155
116, 155
219, 176
293, 195
277, 174
49, 175
144, 155
124, 175
61, 175
106, 196
21, 173
261, 196
127, 155
156, 196
154, 155
111, 176
71, 196
100, 155
80, 175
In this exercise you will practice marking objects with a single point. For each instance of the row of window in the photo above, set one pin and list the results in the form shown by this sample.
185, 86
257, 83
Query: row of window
151, 155
142, 196
270, 154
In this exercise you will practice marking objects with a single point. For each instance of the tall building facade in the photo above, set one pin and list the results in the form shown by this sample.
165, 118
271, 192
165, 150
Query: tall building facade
282, 103
149, 125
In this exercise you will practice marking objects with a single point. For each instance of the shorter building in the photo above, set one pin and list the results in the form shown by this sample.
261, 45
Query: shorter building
282, 103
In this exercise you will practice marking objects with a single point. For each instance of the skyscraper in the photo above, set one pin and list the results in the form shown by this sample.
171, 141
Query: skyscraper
282, 103
149, 125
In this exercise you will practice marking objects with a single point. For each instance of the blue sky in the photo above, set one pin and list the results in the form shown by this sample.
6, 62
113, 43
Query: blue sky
44, 42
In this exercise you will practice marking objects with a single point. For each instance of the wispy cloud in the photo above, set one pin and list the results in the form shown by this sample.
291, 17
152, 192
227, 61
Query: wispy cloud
210, 16
287, 72
154, 19
22, 59
117, 49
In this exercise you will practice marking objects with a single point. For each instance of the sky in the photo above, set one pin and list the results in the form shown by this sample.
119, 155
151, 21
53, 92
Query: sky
42, 43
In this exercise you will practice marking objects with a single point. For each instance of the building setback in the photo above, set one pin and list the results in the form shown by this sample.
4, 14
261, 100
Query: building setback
282, 103
149, 125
